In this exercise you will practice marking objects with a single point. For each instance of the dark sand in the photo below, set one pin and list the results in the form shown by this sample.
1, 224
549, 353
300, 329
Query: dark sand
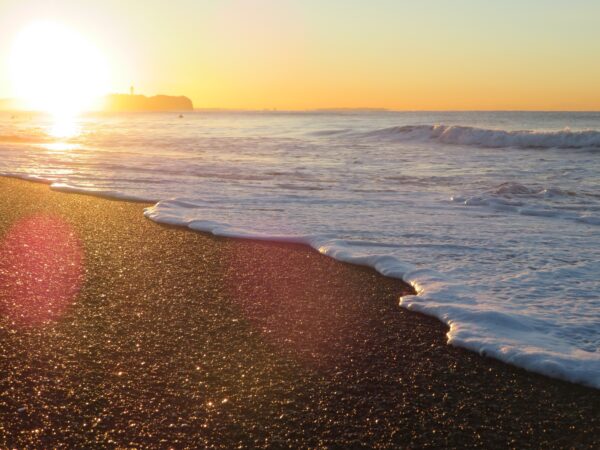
184, 340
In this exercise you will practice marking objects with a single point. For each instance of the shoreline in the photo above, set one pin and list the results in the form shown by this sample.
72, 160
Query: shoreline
327, 355
409, 300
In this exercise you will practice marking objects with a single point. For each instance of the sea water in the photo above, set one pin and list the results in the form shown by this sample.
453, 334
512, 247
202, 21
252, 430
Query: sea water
494, 218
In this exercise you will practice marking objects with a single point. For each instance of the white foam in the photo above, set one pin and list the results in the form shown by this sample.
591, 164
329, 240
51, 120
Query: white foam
520, 199
510, 336
63, 187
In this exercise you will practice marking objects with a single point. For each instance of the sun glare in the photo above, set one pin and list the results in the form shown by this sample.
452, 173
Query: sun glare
56, 70
64, 127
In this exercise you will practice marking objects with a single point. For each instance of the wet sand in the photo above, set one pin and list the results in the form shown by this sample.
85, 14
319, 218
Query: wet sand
161, 337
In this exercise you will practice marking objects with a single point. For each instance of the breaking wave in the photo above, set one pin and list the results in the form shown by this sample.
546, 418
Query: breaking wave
464, 135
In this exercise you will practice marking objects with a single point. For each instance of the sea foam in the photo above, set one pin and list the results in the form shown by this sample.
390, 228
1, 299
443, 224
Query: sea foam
513, 337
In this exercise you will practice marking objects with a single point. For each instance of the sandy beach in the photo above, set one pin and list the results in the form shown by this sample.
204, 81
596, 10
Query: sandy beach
162, 337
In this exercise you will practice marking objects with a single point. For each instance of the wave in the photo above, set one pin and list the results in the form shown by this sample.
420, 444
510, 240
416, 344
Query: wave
471, 324
463, 135
509, 189
329, 132
535, 201
68, 188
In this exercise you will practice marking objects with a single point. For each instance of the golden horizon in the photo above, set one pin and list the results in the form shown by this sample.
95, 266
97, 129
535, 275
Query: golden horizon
304, 57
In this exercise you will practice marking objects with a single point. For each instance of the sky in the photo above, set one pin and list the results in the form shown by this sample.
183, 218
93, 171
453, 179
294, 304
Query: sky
306, 54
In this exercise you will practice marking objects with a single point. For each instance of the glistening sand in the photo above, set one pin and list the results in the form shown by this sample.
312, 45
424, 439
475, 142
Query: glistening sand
181, 339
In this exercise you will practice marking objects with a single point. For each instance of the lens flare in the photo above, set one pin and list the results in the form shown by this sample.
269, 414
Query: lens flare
41, 270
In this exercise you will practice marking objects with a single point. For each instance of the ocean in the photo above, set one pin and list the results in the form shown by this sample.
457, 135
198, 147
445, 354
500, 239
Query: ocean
493, 217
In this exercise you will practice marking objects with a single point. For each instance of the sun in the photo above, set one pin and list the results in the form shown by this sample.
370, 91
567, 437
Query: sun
56, 70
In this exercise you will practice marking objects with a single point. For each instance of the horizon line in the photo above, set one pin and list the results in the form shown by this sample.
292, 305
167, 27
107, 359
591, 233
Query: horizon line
12, 101
316, 110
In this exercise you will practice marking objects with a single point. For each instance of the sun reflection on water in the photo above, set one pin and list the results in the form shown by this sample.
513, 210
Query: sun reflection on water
58, 147
64, 127
62, 130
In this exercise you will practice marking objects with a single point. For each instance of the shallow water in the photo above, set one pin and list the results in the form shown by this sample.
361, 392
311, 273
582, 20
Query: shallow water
493, 217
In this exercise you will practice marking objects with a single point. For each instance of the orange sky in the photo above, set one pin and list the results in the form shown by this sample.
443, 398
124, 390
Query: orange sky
254, 54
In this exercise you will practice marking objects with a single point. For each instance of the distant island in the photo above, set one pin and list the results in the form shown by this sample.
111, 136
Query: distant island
137, 103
